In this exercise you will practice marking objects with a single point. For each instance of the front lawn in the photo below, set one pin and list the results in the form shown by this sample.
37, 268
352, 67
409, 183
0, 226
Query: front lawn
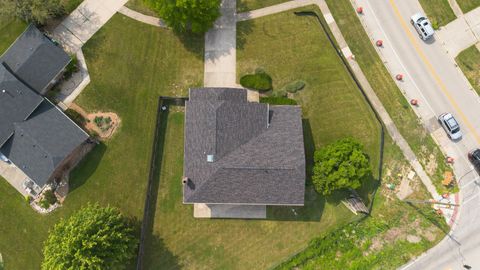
468, 5
469, 61
438, 11
128, 74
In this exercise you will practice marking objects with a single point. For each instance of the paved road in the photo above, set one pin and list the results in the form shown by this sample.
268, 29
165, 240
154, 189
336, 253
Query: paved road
432, 77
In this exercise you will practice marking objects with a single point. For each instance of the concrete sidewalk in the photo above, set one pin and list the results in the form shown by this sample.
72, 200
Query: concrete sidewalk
460, 33
220, 49
84, 22
142, 17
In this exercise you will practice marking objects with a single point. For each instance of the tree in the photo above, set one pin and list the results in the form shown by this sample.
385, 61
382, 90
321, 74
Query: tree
92, 238
37, 11
195, 16
342, 164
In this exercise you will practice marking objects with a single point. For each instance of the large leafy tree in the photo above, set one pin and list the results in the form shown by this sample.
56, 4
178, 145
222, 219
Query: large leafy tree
92, 238
195, 16
37, 11
342, 164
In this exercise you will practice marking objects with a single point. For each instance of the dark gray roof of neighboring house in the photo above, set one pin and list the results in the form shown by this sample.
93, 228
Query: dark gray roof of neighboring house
35, 59
42, 142
17, 102
253, 163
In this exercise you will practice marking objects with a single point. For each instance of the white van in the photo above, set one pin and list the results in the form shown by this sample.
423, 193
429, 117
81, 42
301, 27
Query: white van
422, 25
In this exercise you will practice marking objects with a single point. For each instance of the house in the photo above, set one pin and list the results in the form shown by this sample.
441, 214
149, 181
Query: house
37, 140
35, 60
241, 156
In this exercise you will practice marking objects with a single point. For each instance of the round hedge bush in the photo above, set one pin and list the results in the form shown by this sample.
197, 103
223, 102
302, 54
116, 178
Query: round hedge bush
294, 86
258, 81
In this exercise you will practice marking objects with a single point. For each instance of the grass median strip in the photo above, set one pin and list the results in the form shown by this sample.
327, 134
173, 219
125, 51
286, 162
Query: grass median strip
469, 62
424, 147
468, 5
438, 11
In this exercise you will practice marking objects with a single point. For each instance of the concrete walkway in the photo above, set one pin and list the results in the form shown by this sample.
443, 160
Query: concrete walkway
220, 49
461, 33
84, 22
456, 8
387, 120
142, 17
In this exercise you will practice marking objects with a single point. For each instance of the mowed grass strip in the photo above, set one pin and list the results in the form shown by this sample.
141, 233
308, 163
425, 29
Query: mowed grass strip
438, 11
468, 5
424, 147
10, 29
130, 65
247, 5
469, 62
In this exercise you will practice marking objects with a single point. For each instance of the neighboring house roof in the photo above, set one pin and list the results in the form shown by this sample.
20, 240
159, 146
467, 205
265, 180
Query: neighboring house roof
42, 142
34, 59
17, 102
257, 150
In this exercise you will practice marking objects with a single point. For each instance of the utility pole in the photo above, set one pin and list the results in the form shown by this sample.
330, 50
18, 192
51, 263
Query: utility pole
431, 202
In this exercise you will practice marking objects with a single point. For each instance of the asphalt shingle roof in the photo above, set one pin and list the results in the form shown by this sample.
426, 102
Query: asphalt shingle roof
258, 150
42, 142
17, 102
34, 59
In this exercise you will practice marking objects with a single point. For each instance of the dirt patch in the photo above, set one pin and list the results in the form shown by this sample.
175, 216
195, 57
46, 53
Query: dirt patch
431, 164
413, 238
104, 124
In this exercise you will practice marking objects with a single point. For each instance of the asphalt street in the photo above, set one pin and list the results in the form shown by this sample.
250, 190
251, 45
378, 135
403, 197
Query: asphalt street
432, 77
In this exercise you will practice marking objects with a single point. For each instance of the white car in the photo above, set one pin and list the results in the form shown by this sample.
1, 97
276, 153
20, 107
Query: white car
450, 125
422, 25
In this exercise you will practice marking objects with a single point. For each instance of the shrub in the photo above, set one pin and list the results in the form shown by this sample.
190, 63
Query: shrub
258, 81
294, 86
44, 204
278, 101
71, 68
94, 237
50, 197
339, 165
76, 117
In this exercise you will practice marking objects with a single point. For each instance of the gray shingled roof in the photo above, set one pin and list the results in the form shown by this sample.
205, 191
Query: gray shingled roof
34, 59
17, 102
42, 142
258, 150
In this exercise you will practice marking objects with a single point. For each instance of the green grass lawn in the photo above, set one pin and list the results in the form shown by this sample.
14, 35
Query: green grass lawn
70, 5
247, 5
142, 7
438, 11
333, 108
10, 29
387, 91
469, 62
468, 5
128, 74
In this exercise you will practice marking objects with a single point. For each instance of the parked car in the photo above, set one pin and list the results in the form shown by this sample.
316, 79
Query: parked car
474, 157
422, 25
450, 125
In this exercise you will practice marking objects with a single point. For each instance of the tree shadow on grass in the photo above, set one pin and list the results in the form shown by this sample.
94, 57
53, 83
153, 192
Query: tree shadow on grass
244, 29
86, 167
194, 43
158, 256
314, 202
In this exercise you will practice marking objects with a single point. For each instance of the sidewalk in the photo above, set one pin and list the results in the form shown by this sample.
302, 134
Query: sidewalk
220, 49
461, 33
142, 17
84, 22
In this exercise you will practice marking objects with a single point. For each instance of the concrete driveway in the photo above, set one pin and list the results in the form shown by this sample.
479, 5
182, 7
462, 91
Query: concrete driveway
84, 22
461, 33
